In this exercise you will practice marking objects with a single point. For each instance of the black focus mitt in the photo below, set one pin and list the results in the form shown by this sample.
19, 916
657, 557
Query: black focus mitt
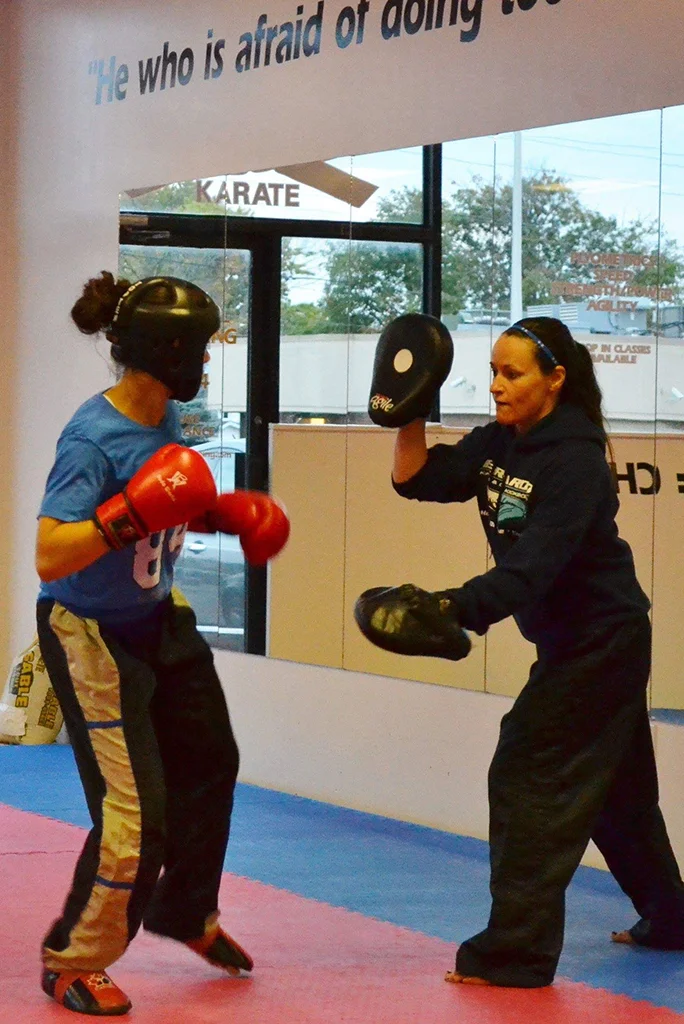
412, 360
408, 620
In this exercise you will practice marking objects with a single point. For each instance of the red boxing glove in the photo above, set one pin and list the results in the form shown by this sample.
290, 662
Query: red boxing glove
259, 521
170, 488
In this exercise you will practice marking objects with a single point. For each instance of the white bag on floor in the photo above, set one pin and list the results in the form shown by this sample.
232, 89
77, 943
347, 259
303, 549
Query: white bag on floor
29, 710
62, 736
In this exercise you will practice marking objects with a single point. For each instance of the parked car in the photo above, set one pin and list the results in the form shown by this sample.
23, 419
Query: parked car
210, 569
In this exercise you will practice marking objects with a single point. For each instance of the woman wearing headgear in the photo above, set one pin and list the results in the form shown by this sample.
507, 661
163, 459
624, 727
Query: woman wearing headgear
142, 702
574, 760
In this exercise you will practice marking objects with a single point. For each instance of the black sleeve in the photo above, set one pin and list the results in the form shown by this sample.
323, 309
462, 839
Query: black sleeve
567, 496
451, 470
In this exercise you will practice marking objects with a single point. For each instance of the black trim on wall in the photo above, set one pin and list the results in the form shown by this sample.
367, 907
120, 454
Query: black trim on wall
432, 250
208, 231
263, 408
432, 217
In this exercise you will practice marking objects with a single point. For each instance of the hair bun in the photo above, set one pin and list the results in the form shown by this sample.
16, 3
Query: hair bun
94, 310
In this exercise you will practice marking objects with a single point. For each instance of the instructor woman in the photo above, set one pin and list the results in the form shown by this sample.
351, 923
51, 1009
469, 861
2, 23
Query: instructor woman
574, 760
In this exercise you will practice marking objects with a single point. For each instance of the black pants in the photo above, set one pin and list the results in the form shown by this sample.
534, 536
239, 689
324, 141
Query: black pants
574, 761
155, 750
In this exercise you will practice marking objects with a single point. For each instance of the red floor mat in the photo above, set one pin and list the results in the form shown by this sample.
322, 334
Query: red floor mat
315, 964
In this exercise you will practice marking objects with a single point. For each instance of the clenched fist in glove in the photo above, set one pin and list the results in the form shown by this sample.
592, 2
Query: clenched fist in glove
170, 488
258, 520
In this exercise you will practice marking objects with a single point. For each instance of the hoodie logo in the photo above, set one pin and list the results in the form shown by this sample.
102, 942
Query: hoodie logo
512, 510
496, 477
506, 499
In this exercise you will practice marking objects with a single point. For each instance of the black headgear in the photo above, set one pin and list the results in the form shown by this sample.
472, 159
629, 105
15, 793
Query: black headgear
162, 326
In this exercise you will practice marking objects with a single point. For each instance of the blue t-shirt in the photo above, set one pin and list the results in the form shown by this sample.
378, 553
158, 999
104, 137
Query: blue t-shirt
98, 452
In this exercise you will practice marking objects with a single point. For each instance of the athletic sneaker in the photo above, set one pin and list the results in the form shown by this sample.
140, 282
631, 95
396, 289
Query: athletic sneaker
91, 992
219, 949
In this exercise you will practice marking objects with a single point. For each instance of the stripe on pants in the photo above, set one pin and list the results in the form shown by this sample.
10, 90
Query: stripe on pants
100, 935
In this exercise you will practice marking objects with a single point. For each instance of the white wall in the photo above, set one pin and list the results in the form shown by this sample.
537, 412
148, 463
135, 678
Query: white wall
330, 373
413, 751
9, 329
65, 160
409, 750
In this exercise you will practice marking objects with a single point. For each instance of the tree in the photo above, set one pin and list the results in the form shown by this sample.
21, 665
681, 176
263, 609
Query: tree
369, 284
177, 197
292, 265
476, 251
303, 318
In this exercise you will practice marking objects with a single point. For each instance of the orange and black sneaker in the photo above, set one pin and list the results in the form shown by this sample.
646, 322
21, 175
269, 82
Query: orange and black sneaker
91, 992
219, 949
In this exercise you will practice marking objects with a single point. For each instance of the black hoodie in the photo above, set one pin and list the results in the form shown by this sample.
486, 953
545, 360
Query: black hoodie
548, 503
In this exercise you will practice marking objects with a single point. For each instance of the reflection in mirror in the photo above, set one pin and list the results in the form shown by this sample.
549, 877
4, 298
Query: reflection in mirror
568, 221
316, 191
595, 190
475, 275
331, 319
587, 196
667, 687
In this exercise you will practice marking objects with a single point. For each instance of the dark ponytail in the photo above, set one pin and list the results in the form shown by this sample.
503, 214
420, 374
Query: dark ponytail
94, 310
581, 388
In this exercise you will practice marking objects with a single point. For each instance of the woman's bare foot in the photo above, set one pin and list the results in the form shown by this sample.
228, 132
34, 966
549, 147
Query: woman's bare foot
463, 979
653, 934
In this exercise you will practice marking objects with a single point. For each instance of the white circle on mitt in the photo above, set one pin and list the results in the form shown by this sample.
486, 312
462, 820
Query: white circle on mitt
403, 360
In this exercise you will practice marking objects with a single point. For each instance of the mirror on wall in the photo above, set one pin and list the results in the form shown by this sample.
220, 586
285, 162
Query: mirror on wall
667, 685
583, 221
